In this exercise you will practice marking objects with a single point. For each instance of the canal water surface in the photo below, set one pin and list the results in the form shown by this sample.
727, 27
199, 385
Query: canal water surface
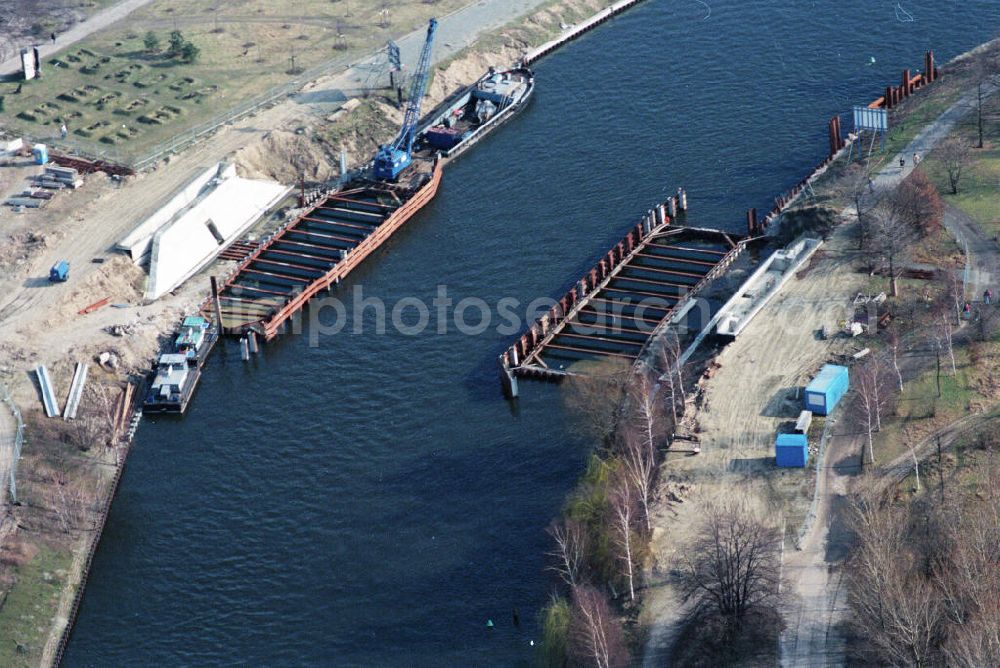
372, 500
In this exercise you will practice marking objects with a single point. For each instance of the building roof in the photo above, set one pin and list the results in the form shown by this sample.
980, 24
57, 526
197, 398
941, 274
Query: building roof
797, 440
826, 376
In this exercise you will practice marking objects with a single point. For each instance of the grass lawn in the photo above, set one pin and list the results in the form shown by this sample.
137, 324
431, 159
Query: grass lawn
119, 100
965, 468
920, 410
909, 121
27, 611
979, 187
939, 248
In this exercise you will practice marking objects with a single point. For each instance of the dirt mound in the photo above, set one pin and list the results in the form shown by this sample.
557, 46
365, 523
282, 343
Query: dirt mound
119, 279
18, 248
285, 156
462, 72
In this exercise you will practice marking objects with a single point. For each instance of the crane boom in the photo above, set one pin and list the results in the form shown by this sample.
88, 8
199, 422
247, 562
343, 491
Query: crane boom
393, 158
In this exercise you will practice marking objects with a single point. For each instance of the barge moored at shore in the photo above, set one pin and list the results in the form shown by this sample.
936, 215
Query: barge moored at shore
475, 111
319, 247
177, 373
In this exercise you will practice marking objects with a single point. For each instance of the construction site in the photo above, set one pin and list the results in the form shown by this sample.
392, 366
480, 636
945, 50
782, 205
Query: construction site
198, 172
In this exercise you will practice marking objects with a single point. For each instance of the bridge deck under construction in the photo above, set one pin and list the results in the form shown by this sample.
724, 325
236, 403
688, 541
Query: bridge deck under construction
316, 250
617, 307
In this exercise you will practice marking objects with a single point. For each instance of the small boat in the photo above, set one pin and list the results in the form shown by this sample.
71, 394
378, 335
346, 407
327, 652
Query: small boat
475, 111
196, 339
177, 372
173, 386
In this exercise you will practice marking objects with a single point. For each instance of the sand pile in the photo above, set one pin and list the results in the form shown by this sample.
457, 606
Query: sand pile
286, 156
118, 279
465, 70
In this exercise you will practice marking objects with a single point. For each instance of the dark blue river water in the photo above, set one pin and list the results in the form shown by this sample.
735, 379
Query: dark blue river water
373, 500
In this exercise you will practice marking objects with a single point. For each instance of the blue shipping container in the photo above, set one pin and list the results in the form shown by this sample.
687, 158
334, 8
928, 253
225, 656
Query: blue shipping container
791, 450
826, 389
59, 271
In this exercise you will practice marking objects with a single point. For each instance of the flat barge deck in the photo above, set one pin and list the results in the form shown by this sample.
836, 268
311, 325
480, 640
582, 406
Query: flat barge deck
616, 309
318, 248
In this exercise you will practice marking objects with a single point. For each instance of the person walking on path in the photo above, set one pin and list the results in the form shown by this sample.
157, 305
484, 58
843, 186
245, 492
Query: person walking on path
53, 38
988, 296
902, 162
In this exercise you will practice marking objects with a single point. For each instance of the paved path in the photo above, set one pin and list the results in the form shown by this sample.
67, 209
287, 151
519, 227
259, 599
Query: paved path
983, 253
813, 636
85, 28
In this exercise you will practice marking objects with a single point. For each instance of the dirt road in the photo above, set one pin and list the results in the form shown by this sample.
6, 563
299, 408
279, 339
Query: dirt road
814, 577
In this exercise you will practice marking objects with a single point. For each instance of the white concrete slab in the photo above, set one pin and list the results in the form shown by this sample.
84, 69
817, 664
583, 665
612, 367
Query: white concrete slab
224, 210
138, 242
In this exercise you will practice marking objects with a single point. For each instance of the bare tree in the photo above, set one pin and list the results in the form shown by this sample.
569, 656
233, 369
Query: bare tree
72, 500
954, 155
859, 189
570, 551
925, 578
672, 372
892, 237
731, 568
968, 577
894, 348
900, 615
872, 395
956, 295
96, 421
639, 466
946, 336
595, 635
646, 428
623, 518
597, 399
984, 68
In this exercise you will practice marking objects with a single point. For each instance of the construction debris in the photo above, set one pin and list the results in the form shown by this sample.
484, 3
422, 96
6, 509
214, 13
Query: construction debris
109, 360
121, 330
676, 492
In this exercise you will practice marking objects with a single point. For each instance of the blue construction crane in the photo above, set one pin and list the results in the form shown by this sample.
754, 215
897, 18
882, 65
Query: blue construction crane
393, 158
